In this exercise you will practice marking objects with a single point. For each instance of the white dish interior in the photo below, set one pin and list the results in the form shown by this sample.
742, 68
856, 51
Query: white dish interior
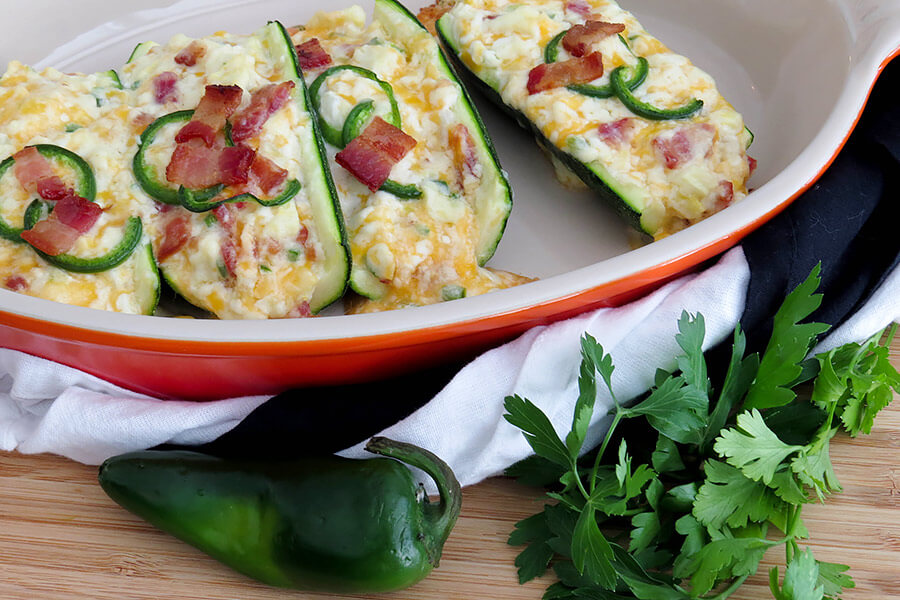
798, 71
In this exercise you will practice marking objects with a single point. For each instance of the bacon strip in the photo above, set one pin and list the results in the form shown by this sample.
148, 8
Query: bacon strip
35, 174
218, 103
579, 39
175, 236
616, 132
76, 212
190, 54
684, 144
388, 139
31, 168
371, 156
164, 87
465, 156
71, 217
266, 176
263, 104
311, 55
194, 165
579, 7
568, 72
234, 164
51, 237
16, 283
53, 188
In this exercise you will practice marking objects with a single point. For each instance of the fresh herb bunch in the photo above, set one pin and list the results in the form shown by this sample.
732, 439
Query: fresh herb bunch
726, 481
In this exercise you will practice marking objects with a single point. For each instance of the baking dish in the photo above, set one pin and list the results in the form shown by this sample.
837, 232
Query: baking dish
799, 72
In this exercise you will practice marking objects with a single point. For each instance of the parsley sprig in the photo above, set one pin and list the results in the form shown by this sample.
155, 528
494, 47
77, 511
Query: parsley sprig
726, 479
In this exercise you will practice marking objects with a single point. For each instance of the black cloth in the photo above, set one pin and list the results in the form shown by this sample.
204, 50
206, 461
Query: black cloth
847, 222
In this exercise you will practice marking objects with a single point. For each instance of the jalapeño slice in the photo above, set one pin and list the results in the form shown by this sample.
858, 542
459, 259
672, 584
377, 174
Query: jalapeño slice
333, 135
68, 262
147, 176
85, 185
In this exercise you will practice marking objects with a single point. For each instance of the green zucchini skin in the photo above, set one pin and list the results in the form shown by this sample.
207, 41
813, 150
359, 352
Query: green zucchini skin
326, 207
584, 172
495, 212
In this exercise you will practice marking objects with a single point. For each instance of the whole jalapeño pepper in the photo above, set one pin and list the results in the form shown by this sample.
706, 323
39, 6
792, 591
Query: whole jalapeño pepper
328, 523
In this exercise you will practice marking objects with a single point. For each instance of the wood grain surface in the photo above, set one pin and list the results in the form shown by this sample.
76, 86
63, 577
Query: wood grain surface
61, 537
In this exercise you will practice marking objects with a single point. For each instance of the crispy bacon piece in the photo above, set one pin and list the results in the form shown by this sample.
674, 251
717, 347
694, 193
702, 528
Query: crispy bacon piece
35, 174
388, 139
224, 214
311, 55
429, 15
31, 168
234, 164
752, 163
71, 217
560, 74
266, 176
190, 54
53, 188
465, 156
684, 144
165, 87
579, 39
302, 310
16, 283
51, 237
175, 236
263, 104
371, 156
230, 255
217, 104
579, 7
616, 133
194, 165
78, 213
725, 194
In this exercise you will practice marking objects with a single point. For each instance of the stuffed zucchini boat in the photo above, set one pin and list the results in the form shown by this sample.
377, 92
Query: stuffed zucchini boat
422, 192
633, 120
70, 229
247, 222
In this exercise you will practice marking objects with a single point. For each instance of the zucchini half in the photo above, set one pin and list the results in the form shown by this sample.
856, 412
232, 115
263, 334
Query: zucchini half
319, 184
494, 200
490, 199
628, 199
225, 294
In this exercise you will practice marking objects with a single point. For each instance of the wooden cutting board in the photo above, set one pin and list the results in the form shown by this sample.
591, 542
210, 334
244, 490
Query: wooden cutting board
60, 537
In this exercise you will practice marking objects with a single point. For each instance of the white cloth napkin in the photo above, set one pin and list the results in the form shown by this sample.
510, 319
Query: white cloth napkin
47, 407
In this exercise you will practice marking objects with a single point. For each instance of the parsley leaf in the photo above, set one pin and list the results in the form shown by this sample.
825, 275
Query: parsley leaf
726, 557
666, 457
535, 532
592, 356
676, 410
787, 347
591, 552
834, 579
801, 579
753, 447
741, 372
859, 380
537, 428
728, 497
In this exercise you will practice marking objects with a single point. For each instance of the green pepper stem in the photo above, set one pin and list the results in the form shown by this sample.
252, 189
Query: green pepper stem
443, 520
